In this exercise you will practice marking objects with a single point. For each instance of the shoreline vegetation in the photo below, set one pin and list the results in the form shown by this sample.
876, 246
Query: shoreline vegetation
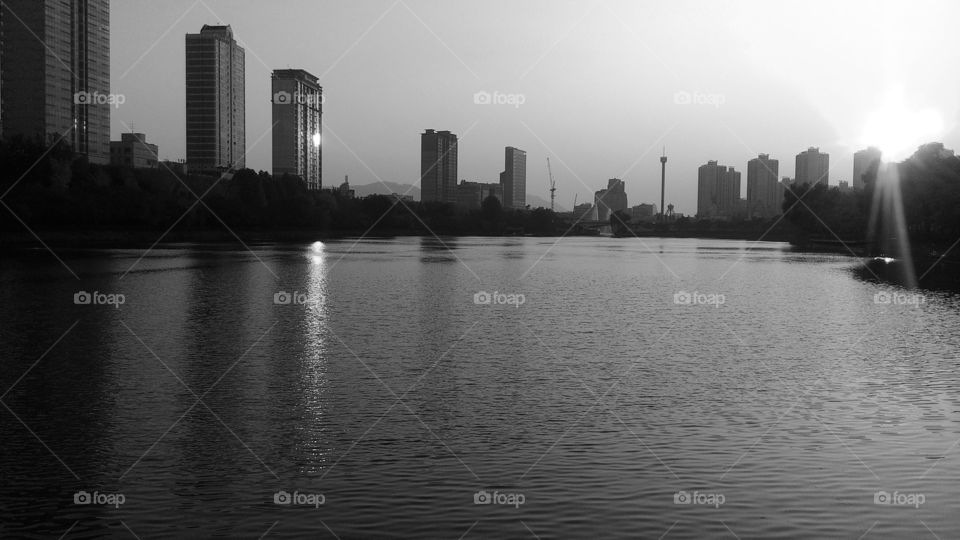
68, 202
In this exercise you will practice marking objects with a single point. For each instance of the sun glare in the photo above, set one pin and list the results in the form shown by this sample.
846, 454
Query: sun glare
897, 130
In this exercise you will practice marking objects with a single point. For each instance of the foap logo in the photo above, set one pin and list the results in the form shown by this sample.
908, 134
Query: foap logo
684, 97
108, 499
483, 298
298, 499
498, 98
506, 499
899, 499
83, 298
899, 299
284, 298
298, 98
97, 98
708, 499
694, 298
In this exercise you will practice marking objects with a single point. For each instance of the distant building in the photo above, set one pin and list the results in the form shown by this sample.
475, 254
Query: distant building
438, 166
863, 162
708, 189
216, 101
177, 167
764, 194
344, 189
643, 212
133, 150
610, 199
812, 167
844, 186
728, 194
397, 198
470, 195
514, 178
297, 114
582, 211
55, 73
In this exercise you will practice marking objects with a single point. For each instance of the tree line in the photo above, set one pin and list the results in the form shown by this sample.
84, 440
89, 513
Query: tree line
49, 189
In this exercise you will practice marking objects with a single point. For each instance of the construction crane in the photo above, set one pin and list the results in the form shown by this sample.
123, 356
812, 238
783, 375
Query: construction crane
553, 185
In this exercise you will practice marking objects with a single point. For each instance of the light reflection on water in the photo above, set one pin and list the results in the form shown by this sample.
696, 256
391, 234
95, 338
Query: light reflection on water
389, 391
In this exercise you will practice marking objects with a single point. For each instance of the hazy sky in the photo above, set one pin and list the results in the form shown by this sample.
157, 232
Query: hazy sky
598, 82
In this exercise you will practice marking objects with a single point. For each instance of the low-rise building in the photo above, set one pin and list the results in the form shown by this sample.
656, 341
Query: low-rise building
133, 150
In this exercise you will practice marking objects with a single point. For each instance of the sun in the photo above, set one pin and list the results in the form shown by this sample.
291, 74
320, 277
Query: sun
897, 130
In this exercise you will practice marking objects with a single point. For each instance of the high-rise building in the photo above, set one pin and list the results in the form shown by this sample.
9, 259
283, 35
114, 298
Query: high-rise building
728, 193
812, 168
764, 195
55, 73
708, 189
514, 178
297, 114
438, 166
863, 161
216, 101
610, 199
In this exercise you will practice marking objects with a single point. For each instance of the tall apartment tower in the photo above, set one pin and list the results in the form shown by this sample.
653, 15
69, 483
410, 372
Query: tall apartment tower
55, 73
708, 189
297, 112
812, 168
863, 161
728, 192
216, 102
514, 178
438, 166
764, 193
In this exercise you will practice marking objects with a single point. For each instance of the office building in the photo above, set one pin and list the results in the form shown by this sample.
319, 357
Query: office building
514, 178
764, 194
643, 212
610, 199
297, 114
470, 195
438, 166
812, 167
133, 150
865, 161
55, 73
216, 101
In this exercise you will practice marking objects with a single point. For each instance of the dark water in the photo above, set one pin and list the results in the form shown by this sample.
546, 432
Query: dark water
384, 391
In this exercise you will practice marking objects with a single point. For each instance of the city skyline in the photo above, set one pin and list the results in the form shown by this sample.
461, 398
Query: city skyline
719, 119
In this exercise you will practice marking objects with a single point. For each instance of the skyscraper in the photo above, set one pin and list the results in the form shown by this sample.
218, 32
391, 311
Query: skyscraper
764, 195
216, 101
610, 199
438, 166
514, 178
728, 193
812, 167
55, 73
862, 163
297, 111
708, 189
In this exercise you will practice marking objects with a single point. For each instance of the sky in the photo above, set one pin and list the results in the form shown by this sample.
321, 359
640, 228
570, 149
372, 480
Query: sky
600, 87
